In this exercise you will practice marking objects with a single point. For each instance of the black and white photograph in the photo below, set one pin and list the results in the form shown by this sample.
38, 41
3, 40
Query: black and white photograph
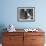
26, 14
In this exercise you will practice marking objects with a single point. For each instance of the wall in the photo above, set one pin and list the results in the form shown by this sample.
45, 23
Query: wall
9, 13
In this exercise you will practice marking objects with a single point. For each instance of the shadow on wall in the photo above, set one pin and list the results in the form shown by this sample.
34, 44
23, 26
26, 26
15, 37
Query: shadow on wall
2, 26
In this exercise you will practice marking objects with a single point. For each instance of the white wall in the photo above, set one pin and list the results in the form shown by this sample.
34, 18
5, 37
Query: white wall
9, 13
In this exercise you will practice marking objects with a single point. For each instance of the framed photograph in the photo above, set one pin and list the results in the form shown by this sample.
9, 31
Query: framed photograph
26, 14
